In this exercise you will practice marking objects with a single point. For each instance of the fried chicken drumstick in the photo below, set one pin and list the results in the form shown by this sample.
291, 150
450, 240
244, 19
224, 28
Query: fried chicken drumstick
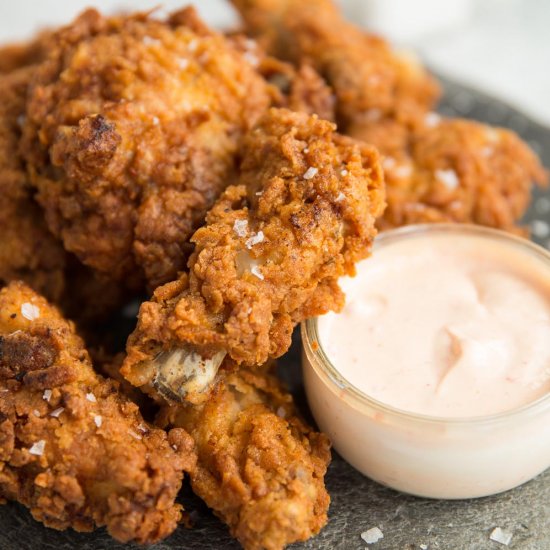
131, 133
259, 467
74, 450
437, 170
269, 256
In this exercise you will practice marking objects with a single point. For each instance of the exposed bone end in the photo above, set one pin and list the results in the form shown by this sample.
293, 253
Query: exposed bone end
184, 375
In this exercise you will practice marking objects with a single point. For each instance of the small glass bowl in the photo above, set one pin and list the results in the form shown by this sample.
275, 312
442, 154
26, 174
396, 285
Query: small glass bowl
447, 458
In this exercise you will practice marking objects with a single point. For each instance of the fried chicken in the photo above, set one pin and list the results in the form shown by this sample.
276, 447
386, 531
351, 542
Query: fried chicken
132, 130
27, 250
73, 450
454, 170
370, 80
269, 256
436, 170
259, 467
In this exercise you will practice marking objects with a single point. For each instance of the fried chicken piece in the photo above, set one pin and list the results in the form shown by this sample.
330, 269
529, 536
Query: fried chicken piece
269, 256
371, 81
454, 170
27, 250
73, 450
132, 130
259, 467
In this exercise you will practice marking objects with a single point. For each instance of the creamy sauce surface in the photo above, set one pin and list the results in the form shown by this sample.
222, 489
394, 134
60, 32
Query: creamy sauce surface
445, 325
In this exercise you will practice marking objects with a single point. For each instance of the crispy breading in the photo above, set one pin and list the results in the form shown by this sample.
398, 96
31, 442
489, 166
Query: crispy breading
371, 81
132, 130
269, 256
73, 450
259, 467
454, 170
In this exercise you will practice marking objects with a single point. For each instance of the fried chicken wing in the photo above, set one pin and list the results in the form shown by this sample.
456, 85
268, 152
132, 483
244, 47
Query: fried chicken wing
259, 467
132, 130
269, 256
370, 80
454, 170
73, 450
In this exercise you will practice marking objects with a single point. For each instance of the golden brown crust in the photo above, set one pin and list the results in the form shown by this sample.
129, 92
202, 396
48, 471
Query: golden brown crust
302, 215
260, 468
369, 79
138, 137
75, 451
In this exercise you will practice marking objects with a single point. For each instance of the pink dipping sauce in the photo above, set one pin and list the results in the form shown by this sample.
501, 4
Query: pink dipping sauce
450, 326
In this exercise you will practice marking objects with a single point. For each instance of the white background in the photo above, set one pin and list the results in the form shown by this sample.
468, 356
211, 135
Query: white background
500, 46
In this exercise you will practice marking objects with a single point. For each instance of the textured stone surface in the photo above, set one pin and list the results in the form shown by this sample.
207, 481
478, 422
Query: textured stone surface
358, 503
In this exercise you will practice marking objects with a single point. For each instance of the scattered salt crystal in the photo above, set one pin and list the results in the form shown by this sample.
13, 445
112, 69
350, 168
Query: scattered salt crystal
143, 429
241, 227
255, 239
259, 193
423, 547
156, 120
38, 448
174, 447
306, 150
98, 420
542, 205
311, 172
340, 197
388, 163
57, 412
134, 434
150, 41
192, 46
372, 535
91, 397
36, 413
403, 171
30, 311
373, 115
256, 272
431, 120
47, 395
281, 412
344, 173
540, 228
251, 58
183, 63
501, 536
448, 178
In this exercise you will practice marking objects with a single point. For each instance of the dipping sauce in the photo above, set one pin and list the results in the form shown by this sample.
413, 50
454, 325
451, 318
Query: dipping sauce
435, 379
452, 325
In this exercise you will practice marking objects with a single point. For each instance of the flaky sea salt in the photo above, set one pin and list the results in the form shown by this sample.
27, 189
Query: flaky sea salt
47, 395
423, 547
311, 172
192, 46
36, 413
91, 397
372, 535
156, 120
150, 41
281, 413
431, 120
344, 173
251, 58
30, 311
340, 197
98, 420
403, 171
448, 178
540, 228
57, 412
183, 63
501, 536
38, 448
255, 239
134, 434
241, 227
257, 272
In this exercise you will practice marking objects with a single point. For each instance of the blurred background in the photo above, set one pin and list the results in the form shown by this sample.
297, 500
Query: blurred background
501, 47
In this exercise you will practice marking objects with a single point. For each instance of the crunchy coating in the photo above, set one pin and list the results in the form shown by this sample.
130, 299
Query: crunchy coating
269, 256
370, 80
259, 467
132, 129
73, 450
27, 250
454, 170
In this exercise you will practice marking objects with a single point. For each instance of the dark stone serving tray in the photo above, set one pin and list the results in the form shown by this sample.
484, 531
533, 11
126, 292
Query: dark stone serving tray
358, 503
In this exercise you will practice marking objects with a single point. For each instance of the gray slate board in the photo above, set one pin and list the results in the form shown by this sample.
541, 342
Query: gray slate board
358, 503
